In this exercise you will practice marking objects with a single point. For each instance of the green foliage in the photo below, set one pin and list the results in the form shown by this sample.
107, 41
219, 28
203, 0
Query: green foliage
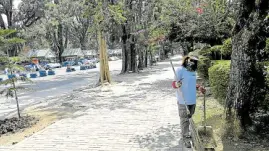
5, 41
194, 53
264, 104
116, 12
226, 49
214, 22
213, 53
10, 84
219, 79
216, 49
203, 65
267, 46
6, 32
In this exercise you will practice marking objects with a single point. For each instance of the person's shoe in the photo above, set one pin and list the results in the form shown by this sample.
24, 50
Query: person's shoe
187, 144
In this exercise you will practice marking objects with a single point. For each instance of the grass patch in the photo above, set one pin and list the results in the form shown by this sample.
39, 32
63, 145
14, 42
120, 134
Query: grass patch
214, 118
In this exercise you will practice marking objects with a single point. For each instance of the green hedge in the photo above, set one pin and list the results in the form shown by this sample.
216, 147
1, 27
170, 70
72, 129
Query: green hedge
226, 49
219, 79
212, 53
218, 52
203, 65
194, 53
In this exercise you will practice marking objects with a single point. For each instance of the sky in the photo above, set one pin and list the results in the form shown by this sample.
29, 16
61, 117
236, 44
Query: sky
16, 4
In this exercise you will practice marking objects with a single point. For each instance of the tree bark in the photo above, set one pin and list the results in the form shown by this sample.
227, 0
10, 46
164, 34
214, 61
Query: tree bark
16, 97
124, 50
146, 57
141, 60
83, 43
9, 14
246, 78
150, 58
133, 56
60, 41
104, 67
66, 37
2, 23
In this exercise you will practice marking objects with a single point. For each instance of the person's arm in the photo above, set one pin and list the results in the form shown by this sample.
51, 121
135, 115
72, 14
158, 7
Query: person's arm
176, 84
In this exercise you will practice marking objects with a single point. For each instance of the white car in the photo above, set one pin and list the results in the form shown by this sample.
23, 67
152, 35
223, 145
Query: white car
52, 66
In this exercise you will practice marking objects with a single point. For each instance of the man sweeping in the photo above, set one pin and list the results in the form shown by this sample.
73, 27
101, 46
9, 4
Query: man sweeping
186, 74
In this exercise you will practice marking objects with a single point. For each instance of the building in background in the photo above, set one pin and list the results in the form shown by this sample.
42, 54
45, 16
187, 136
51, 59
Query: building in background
73, 54
43, 55
90, 54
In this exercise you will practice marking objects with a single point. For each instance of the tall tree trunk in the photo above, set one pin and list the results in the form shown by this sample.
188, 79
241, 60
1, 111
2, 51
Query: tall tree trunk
129, 51
141, 60
2, 23
60, 44
124, 68
150, 58
10, 14
16, 97
104, 67
83, 43
246, 78
66, 37
133, 56
60, 41
146, 57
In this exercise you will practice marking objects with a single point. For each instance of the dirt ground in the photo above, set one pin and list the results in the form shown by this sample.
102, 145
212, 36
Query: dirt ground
45, 119
46, 113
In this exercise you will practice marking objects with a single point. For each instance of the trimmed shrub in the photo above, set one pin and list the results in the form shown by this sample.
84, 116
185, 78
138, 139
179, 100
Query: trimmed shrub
205, 51
195, 52
226, 50
203, 65
214, 53
219, 79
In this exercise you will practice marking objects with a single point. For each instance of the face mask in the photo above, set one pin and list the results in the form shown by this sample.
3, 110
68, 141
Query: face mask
192, 65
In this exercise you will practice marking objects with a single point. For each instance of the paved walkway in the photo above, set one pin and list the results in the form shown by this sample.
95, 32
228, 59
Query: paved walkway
138, 114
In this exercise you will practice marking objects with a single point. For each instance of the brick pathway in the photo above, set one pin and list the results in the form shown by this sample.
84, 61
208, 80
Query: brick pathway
114, 122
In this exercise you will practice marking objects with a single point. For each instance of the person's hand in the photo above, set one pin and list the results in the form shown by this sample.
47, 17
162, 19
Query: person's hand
202, 90
178, 84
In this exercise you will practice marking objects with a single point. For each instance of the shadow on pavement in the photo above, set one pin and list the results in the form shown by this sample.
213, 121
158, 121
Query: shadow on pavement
163, 138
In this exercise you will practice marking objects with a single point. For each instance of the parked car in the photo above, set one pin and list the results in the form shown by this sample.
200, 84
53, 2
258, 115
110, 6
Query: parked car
71, 63
113, 58
52, 66
32, 67
96, 60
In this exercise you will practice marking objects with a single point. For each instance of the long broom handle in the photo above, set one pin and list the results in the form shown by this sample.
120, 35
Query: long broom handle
179, 92
197, 139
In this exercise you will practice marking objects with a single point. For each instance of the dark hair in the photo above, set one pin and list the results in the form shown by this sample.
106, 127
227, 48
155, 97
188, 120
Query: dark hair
186, 60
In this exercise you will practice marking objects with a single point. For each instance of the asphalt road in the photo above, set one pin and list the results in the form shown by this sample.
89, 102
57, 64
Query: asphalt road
45, 88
